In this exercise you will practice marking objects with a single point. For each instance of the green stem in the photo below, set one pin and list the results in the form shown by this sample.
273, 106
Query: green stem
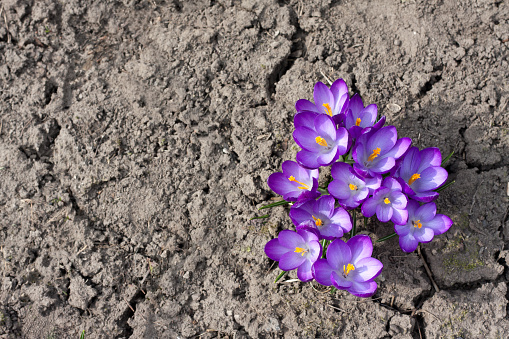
279, 276
446, 159
354, 224
387, 237
440, 189
323, 248
274, 204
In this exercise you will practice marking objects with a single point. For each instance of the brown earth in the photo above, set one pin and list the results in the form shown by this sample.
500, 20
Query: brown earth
136, 138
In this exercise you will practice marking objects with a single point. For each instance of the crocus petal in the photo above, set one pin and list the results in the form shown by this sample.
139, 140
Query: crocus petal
325, 126
290, 239
308, 159
280, 184
339, 282
425, 196
410, 163
302, 213
291, 260
308, 237
338, 254
339, 189
426, 212
315, 248
304, 271
322, 272
399, 217
369, 207
385, 139
391, 183
402, 230
325, 205
367, 269
339, 90
431, 178
356, 106
274, 250
363, 289
440, 224
398, 200
306, 139
303, 105
424, 234
325, 159
322, 95
408, 243
383, 165
430, 157
384, 212
305, 119
399, 148
361, 247
342, 217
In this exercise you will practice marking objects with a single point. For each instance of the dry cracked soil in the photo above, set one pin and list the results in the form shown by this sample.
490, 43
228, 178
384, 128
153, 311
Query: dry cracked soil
136, 138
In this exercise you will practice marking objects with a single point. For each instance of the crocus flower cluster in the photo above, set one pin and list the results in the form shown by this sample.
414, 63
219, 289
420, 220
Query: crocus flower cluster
373, 171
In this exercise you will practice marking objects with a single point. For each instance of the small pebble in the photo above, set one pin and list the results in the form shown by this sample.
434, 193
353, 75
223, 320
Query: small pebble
397, 42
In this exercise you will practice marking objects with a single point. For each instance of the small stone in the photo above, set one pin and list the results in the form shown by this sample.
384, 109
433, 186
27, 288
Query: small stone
397, 42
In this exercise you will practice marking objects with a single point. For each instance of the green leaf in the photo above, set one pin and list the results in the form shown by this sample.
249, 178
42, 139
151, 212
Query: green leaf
446, 159
323, 191
354, 224
275, 204
440, 189
261, 217
280, 276
387, 237
82, 336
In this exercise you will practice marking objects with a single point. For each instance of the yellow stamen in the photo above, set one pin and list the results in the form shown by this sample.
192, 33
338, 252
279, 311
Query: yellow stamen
300, 250
352, 187
417, 223
318, 221
303, 187
321, 141
413, 178
328, 110
375, 153
358, 122
348, 268
387, 201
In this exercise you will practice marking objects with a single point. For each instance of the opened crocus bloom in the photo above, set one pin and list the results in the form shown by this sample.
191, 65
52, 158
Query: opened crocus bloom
376, 152
388, 202
295, 183
349, 188
423, 224
330, 222
332, 102
359, 118
321, 142
420, 173
349, 266
295, 250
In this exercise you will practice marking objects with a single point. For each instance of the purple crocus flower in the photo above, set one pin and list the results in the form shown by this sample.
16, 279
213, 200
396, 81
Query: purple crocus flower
388, 202
420, 173
333, 101
359, 118
349, 266
295, 183
320, 214
322, 143
376, 152
295, 250
423, 224
349, 188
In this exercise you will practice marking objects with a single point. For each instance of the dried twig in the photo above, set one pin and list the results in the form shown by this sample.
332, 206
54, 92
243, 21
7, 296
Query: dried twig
435, 286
